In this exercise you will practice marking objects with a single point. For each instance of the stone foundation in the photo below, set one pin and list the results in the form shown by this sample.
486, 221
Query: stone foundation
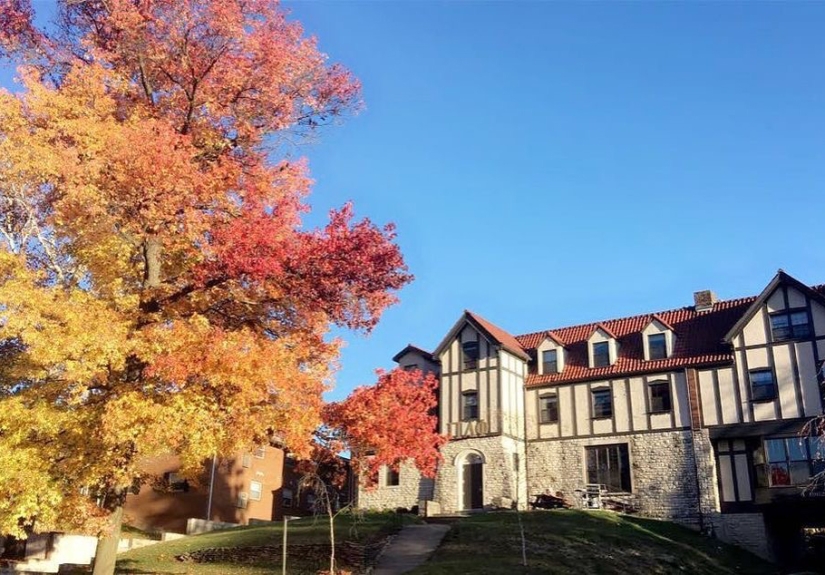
411, 489
747, 530
504, 476
662, 471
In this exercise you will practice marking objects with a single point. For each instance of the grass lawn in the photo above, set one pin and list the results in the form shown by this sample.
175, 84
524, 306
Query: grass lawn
582, 542
160, 559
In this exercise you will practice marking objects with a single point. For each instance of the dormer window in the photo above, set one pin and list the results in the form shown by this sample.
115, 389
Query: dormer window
469, 350
659, 339
549, 361
603, 347
657, 346
601, 354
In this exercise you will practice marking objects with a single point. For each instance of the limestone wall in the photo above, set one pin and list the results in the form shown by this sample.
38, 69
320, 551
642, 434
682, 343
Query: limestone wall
501, 477
747, 530
662, 471
411, 489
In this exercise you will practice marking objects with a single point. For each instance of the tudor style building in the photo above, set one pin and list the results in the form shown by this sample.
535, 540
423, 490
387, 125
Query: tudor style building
692, 415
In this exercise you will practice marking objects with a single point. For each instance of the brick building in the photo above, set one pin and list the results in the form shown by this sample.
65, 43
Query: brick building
692, 415
258, 485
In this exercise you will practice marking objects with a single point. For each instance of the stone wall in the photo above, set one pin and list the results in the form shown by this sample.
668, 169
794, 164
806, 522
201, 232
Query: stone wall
501, 479
747, 530
411, 489
662, 471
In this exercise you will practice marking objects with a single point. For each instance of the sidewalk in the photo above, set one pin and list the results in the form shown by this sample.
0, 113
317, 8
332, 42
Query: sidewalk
412, 547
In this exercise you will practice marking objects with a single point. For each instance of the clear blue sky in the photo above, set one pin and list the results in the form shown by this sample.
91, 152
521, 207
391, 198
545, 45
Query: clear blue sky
556, 163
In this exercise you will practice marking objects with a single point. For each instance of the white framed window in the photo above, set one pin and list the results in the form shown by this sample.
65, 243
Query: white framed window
256, 490
260, 452
286, 497
243, 500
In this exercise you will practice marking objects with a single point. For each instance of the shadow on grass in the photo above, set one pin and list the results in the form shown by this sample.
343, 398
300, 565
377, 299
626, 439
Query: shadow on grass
124, 566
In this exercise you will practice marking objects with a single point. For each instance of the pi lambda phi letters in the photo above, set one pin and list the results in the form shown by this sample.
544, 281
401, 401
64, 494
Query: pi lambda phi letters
469, 428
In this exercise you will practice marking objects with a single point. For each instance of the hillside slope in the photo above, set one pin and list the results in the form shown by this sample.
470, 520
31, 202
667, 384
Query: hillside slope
581, 542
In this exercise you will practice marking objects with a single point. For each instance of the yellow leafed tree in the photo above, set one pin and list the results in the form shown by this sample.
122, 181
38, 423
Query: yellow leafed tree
157, 291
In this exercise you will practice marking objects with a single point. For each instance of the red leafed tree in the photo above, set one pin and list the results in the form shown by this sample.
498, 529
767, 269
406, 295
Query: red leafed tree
388, 423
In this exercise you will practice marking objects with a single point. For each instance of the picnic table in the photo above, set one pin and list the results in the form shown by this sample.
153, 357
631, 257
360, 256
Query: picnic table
546, 501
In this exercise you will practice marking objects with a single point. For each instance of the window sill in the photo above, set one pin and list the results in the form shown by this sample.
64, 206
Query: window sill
548, 422
661, 411
764, 400
595, 417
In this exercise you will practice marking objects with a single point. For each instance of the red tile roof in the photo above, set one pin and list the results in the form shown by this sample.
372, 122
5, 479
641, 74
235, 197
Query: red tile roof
699, 341
509, 342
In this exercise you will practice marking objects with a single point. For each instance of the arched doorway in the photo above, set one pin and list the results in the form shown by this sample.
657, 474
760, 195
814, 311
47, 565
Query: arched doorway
471, 482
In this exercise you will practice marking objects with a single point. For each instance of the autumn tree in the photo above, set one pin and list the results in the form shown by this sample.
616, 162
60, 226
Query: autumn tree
157, 290
387, 423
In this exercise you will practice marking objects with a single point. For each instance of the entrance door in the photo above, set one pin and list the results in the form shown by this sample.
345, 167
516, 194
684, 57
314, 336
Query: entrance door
473, 487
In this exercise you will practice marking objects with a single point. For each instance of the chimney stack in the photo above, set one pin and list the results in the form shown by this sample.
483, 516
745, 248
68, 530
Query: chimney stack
703, 300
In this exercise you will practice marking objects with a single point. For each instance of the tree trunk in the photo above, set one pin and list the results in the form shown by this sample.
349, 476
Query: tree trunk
151, 261
331, 537
151, 274
106, 553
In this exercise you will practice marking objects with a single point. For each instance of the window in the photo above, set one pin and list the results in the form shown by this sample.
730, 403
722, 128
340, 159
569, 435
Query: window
469, 405
549, 361
602, 403
256, 490
259, 452
601, 354
659, 396
175, 483
246, 460
656, 346
410, 367
470, 352
243, 500
609, 465
392, 477
286, 497
789, 461
549, 409
790, 325
763, 385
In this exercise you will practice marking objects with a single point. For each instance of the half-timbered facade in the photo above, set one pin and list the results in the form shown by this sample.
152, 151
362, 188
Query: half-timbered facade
694, 415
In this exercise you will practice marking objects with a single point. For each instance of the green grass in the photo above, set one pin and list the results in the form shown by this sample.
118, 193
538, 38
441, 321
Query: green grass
135, 533
580, 542
160, 559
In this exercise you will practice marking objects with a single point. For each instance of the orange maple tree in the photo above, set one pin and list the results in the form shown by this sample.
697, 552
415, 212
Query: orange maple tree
157, 290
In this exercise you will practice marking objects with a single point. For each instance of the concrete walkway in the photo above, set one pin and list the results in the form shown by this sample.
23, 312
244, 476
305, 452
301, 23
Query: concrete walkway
412, 547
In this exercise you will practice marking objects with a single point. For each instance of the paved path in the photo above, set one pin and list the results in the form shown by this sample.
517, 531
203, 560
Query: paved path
412, 547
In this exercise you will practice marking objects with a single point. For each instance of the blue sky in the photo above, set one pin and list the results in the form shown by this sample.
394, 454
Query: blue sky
555, 163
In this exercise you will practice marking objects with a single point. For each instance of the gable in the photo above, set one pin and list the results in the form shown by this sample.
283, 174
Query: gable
783, 292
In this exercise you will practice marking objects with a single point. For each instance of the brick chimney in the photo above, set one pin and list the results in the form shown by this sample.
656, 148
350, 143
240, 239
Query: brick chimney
703, 300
